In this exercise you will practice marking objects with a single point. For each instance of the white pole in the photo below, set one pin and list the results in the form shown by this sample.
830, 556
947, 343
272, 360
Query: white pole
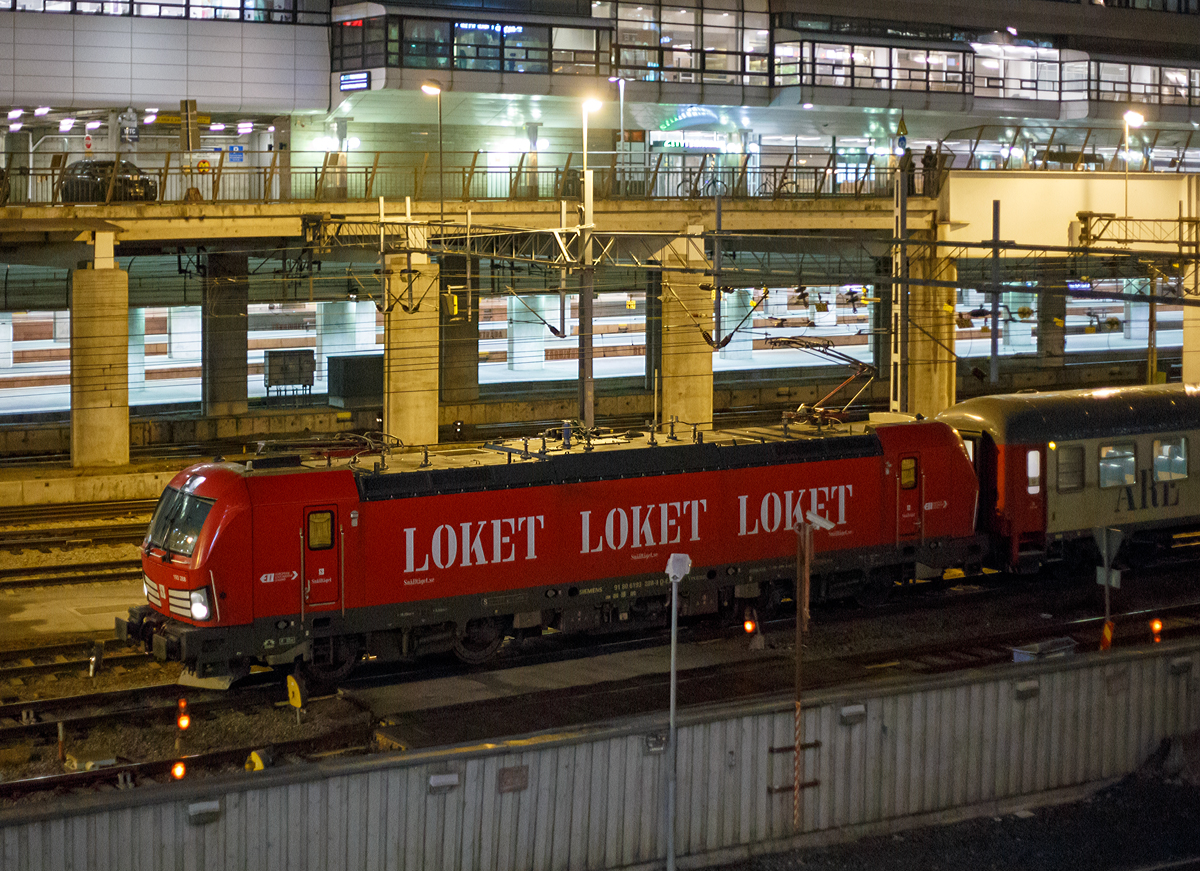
678, 566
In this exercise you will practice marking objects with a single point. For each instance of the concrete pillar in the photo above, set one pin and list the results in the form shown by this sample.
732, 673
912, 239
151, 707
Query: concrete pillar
183, 332
1191, 326
6, 340
687, 360
1190, 357
223, 337
366, 330
137, 349
1018, 331
282, 145
18, 154
931, 372
114, 135
734, 307
1136, 315
1052, 329
337, 332
62, 327
99, 367
527, 332
410, 354
458, 351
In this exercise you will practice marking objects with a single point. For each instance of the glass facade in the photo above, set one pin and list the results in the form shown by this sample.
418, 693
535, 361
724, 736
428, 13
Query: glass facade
731, 42
431, 44
266, 11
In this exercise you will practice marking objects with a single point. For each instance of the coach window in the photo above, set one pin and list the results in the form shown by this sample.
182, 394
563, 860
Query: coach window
1070, 468
320, 530
1033, 471
1118, 465
908, 473
1170, 459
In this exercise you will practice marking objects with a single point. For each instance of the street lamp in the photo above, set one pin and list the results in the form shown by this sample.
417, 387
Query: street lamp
433, 89
621, 96
587, 404
1132, 119
590, 105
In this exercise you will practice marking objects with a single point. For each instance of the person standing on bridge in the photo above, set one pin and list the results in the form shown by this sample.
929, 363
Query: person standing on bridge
929, 172
908, 169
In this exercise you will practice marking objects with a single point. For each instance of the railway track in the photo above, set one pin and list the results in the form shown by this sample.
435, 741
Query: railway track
36, 723
57, 527
79, 573
65, 538
12, 515
747, 680
149, 704
71, 658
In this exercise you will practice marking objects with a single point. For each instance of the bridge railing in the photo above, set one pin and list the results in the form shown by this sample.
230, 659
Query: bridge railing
268, 177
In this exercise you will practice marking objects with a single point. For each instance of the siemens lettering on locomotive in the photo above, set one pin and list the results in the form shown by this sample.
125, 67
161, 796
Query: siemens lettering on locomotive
322, 557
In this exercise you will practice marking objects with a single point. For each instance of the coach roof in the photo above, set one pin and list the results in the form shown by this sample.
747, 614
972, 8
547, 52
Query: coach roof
1034, 418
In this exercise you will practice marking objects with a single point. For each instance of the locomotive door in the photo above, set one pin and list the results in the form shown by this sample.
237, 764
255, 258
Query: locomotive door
321, 557
909, 497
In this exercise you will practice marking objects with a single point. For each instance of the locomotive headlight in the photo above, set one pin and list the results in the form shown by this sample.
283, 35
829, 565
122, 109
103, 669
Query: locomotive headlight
199, 604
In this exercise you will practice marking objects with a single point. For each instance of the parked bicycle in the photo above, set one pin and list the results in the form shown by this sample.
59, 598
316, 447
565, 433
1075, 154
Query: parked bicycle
778, 184
702, 185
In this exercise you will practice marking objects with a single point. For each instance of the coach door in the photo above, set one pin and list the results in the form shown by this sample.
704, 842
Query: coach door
321, 563
909, 497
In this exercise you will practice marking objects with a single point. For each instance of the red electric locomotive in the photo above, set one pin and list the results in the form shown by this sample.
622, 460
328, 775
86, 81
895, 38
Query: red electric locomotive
289, 559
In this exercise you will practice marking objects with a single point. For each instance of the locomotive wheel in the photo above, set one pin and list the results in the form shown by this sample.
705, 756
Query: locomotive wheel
480, 641
333, 663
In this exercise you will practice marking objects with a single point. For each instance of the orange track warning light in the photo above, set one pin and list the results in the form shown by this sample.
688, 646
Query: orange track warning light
750, 622
183, 719
178, 770
1156, 627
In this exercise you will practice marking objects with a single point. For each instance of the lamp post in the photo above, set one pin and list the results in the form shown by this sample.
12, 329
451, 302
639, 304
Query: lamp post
590, 105
587, 404
1132, 119
621, 102
678, 565
433, 89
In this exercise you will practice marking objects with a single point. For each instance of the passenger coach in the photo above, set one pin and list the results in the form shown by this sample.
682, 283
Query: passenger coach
1054, 466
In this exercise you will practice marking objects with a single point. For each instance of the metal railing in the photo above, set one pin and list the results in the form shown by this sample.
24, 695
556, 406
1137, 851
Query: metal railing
475, 176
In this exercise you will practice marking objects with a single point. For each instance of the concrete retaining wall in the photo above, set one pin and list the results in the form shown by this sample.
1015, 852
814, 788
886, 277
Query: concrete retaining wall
593, 798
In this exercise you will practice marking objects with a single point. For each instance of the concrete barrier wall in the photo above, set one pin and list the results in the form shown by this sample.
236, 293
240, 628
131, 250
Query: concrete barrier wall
593, 798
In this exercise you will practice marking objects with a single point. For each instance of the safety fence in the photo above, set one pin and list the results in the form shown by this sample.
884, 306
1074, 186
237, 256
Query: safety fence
882, 755
249, 177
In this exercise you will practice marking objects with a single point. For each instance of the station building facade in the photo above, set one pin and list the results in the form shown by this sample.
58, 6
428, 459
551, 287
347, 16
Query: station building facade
762, 104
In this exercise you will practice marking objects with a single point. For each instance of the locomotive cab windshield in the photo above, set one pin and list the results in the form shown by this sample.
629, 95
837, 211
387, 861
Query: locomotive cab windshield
178, 518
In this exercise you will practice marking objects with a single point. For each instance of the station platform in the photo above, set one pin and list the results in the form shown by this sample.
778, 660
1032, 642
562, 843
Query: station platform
59, 484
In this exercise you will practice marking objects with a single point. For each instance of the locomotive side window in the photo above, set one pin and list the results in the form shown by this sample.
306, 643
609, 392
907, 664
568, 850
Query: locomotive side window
1170, 459
1033, 471
320, 530
908, 473
1070, 468
1118, 465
